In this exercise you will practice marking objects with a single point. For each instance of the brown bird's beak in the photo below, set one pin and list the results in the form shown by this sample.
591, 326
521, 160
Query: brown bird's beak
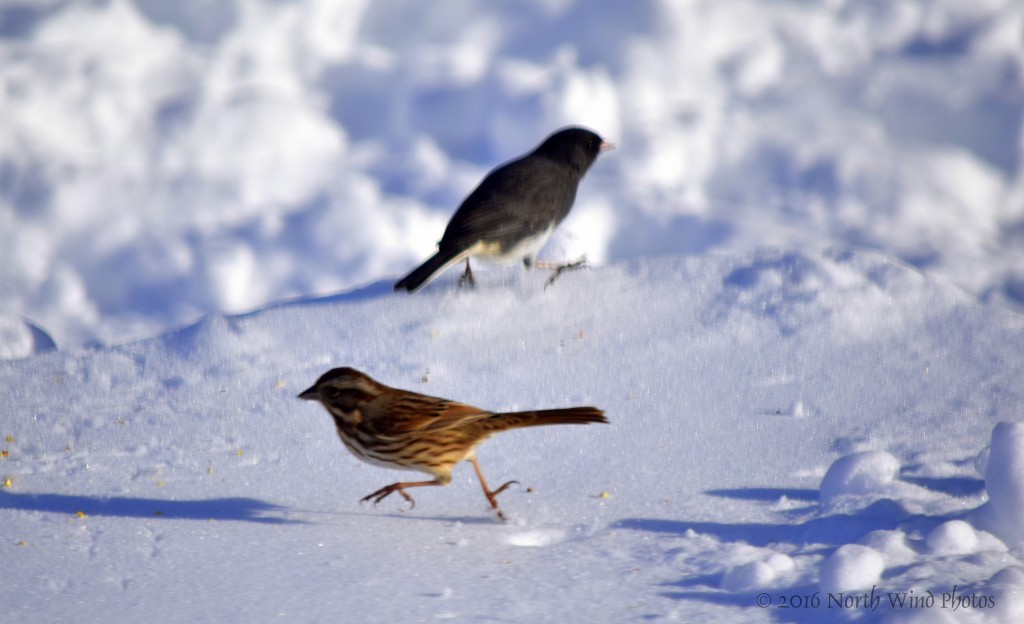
606, 146
310, 394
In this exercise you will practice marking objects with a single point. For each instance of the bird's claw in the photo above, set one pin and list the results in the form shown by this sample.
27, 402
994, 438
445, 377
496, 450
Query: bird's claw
571, 266
493, 498
504, 487
386, 491
467, 277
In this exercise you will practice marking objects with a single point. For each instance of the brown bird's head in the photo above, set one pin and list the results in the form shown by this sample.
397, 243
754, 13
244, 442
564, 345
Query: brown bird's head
342, 387
578, 147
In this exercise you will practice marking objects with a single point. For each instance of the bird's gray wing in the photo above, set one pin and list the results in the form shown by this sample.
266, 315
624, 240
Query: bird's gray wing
523, 196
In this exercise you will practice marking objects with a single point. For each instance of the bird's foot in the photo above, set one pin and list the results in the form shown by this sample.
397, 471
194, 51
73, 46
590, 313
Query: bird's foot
386, 491
466, 279
562, 268
492, 497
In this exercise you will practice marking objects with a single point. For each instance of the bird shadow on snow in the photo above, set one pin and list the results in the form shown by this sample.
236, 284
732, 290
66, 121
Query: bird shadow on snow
482, 519
375, 290
766, 494
378, 515
228, 509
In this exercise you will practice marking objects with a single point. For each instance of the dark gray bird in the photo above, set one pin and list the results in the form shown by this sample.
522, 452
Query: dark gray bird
513, 212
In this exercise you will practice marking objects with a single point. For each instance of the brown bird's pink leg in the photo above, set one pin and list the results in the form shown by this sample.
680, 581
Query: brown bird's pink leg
492, 496
387, 490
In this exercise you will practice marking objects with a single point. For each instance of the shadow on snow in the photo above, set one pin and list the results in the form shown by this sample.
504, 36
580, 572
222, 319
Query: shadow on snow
233, 509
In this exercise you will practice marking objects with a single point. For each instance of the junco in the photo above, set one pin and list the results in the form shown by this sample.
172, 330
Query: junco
513, 212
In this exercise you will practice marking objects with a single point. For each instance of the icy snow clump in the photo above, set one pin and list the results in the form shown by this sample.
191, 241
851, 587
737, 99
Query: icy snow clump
869, 472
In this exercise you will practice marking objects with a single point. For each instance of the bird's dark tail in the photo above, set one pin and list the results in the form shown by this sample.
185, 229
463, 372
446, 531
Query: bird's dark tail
424, 273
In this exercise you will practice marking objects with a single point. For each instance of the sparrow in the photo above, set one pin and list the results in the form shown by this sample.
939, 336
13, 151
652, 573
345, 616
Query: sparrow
514, 210
396, 428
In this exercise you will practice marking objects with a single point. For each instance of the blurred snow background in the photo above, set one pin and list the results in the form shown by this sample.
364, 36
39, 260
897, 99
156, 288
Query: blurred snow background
160, 160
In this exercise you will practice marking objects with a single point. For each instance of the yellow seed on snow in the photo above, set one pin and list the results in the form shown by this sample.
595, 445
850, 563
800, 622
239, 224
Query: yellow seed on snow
8, 482
604, 495
10, 439
81, 514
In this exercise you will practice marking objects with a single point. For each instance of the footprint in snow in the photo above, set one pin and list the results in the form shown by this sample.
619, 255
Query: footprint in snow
537, 537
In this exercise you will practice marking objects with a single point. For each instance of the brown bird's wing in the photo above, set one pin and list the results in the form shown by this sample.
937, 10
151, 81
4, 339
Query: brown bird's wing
420, 413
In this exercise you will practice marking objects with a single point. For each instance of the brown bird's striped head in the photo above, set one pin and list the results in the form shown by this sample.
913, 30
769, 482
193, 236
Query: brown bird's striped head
344, 388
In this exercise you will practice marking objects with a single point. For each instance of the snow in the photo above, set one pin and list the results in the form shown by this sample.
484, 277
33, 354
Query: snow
803, 315
198, 472
860, 473
758, 574
1004, 480
851, 567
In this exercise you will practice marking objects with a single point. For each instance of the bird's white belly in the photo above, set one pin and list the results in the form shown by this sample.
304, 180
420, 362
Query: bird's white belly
528, 248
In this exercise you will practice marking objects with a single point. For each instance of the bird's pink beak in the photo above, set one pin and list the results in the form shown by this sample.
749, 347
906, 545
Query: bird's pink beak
605, 146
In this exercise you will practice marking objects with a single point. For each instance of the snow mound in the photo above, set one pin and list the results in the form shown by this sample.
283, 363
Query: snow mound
20, 338
1004, 481
851, 567
955, 537
758, 574
1007, 589
860, 474
894, 546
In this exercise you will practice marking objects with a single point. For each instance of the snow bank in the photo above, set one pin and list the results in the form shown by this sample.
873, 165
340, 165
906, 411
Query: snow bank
160, 161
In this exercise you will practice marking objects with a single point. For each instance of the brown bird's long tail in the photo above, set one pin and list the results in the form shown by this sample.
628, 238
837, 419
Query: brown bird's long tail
434, 266
562, 416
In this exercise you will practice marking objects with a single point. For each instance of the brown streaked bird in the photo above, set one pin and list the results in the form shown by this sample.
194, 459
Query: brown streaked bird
397, 428
512, 213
